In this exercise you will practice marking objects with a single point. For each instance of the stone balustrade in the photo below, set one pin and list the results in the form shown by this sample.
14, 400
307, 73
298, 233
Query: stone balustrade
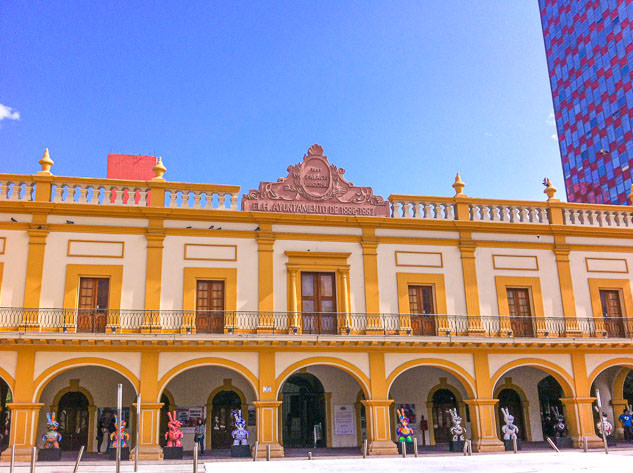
609, 216
16, 188
100, 192
508, 213
201, 196
427, 208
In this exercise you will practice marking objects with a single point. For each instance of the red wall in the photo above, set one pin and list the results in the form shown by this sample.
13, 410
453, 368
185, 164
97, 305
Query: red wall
132, 167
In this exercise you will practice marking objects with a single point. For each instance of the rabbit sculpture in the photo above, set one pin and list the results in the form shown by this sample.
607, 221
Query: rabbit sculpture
239, 434
114, 436
457, 431
560, 429
404, 432
174, 435
51, 438
603, 425
510, 431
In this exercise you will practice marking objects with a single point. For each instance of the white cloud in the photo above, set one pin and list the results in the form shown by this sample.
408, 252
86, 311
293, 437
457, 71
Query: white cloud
551, 120
8, 113
555, 137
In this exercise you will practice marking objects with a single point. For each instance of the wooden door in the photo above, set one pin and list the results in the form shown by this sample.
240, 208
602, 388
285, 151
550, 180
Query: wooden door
318, 302
520, 312
94, 294
73, 420
222, 422
422, 310
210, 306
612, 313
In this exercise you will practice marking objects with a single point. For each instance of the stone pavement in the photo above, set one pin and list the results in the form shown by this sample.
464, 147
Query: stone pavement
523, 462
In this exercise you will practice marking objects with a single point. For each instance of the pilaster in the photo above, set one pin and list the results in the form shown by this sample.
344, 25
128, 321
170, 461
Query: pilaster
268, 408
37, 232
377, 408
467, 248
369, 245
149, 447
561, 252
483, 408
155, 237
266, 304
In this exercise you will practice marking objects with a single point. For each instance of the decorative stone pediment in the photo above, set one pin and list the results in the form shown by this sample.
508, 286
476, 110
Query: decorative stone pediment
315, 186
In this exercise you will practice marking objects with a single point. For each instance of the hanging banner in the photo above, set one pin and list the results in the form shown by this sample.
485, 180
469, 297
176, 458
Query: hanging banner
344, 419
189, 417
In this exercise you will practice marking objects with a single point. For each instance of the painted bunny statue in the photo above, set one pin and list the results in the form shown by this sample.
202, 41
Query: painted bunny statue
404, 432
457, 431
560, 429
510, 431
240, 434
603, 424
174, 435
114, 436
51, 438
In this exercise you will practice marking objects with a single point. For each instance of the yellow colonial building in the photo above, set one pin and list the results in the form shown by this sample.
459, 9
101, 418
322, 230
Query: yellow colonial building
315, 306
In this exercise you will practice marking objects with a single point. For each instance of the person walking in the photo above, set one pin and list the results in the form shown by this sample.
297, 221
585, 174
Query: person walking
198, 435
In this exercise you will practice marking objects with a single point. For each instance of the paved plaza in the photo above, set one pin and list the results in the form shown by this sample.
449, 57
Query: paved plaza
545, 462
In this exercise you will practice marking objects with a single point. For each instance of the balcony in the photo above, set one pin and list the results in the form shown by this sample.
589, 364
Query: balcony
254, 323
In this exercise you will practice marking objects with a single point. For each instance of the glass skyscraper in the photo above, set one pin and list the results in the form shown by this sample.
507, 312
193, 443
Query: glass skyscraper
589, 47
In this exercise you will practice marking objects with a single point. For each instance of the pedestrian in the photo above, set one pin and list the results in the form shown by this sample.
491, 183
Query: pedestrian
198, 435
627, 424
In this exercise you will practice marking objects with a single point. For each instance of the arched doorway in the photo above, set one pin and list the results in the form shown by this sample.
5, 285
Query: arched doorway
509, 399
443, 400
5, 418
222, 422
303, 412
549, 394
73, 418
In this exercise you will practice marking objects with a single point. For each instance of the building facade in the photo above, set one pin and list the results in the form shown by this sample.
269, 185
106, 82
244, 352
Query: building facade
589, 48
316, 307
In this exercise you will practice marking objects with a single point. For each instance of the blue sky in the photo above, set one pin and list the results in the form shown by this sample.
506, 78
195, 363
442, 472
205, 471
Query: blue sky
402, 94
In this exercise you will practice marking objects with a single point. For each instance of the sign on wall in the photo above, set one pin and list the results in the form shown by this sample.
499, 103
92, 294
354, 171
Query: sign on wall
315, 187
344, 419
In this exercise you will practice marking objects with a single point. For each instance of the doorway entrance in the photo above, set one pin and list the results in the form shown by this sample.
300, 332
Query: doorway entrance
549, 394
303, 412
94, 294
222, 422
73, 420
318, 302
510, 399
443, 400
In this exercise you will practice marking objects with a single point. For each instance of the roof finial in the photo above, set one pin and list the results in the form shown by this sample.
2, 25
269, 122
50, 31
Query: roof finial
458, 185
46, 162
550, 190
159, 169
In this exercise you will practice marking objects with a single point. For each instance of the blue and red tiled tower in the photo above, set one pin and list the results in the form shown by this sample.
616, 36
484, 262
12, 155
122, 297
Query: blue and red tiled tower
589, 47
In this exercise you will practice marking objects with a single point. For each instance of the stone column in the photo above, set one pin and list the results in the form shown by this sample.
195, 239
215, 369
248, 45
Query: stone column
294, 323
579, 420
467, 248
268, 413
484, 425
24, 420
378, 427
149, 447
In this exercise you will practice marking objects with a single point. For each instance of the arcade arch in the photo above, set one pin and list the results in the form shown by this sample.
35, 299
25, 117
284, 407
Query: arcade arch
613, 382
426, 393
6, 396
314, 398
84, 398
209, 392
532, 394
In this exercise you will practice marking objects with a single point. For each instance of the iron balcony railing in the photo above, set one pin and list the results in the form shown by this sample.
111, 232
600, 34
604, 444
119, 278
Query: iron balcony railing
256, 322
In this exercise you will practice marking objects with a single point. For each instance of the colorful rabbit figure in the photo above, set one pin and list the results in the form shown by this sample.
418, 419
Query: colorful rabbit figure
404, 432
603, 424
240, 434
174, 435
51, 438
457, 431
114, 436
510, 431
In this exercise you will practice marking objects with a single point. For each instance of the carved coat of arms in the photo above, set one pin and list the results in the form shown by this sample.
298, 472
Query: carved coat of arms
315, 186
